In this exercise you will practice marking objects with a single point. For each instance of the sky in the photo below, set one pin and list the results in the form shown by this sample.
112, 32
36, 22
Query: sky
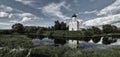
45, 12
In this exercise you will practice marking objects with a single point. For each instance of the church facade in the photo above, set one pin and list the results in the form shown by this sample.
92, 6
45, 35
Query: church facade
74, 24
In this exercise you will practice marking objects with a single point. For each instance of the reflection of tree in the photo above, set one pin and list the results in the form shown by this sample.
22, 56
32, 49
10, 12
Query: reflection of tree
96, 40
86, 39
108, 40
59, 41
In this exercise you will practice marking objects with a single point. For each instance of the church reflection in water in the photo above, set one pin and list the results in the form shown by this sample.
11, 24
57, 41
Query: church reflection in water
85, 42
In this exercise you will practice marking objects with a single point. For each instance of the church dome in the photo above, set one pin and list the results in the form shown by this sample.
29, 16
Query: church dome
74, 15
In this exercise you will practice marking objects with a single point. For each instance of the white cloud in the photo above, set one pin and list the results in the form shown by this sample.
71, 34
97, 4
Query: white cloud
5, 8
13, 21
111, 9
103, 20
25, 1
25, 19
80, 21
5, 15
88, 12
25, 15
54, 9
1, 23
110, 15
4, 11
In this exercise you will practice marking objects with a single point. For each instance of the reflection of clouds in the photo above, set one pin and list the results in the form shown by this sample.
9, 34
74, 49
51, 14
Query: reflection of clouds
47, 41
116, 43
91, 41
36, 41
101, 40
44, 41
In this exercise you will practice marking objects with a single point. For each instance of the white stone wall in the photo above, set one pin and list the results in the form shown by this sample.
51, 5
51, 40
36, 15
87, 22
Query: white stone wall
73, 25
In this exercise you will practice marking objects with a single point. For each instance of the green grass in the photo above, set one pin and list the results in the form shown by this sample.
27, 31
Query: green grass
15, 41
18, 46
62, 51
65, 34
46, 51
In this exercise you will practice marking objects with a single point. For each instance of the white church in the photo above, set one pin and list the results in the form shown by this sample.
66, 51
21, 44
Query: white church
74, 24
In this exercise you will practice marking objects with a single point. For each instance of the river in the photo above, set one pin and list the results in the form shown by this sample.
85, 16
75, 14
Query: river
83, 43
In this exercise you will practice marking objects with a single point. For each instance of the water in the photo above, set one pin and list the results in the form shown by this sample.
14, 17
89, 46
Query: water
83, 43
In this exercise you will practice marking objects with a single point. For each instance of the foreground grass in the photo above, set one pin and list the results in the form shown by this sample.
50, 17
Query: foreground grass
15, 41
20, 46
45, 51
62, 51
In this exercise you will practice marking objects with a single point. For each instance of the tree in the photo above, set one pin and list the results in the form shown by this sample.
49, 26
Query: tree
57, 25
63, 26
109, 28
96, 30
19, 28
60, 26
88, 32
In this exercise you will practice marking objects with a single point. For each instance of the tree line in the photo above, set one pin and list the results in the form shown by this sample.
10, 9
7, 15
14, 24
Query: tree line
20, 28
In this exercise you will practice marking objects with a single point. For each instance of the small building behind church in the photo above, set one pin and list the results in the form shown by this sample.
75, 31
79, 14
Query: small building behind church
74, 23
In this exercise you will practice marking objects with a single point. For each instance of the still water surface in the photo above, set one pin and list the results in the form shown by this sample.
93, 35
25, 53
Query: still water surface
84, 43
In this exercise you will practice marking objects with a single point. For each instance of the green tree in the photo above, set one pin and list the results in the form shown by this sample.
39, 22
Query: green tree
60, 26
109, 28
63, 26
88, 32
96, 30
19, 28
57, 25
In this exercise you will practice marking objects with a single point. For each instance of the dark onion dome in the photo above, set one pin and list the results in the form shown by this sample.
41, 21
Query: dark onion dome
74, 15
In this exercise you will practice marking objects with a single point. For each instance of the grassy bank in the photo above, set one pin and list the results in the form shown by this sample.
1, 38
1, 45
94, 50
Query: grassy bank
15, 41
65, 34
76, 34
20, 46
62, 51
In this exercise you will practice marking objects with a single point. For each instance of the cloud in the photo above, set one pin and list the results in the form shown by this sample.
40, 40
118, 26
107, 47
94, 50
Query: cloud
4, 11
54, 9
7, 12
5, 8
13, 21
27, 2
25, 17
5, 15
111, 9
103, 20
109, 15
88, 12
1, 23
